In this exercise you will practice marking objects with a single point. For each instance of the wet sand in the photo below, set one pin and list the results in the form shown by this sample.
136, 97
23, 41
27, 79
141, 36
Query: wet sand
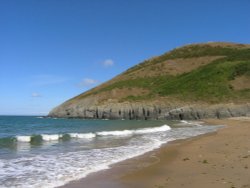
218, 160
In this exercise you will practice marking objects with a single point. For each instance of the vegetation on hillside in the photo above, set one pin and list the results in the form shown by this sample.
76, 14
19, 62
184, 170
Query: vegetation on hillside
195, 51
210, 83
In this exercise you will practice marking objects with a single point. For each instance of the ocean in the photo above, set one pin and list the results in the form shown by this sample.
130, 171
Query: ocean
37, 152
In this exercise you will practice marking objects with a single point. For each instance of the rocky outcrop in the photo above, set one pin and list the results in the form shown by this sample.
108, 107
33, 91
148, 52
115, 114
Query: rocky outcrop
205, 112
146, 111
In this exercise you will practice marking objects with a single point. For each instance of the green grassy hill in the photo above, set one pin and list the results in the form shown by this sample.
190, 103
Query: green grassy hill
214, 69
207, 74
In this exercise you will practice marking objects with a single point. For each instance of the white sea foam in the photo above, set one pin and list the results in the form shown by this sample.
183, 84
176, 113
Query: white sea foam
54, 137
196, 123
23, 138
115, 133
50, 137
153, 129
46, 171
82, 135
135, 131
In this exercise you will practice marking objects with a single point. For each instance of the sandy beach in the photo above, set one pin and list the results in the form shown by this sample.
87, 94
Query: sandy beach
218, 160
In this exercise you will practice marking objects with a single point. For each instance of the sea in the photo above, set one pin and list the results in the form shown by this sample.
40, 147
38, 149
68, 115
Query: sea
39, 152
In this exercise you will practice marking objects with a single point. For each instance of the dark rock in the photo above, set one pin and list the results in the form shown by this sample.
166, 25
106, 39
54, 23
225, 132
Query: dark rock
151, 111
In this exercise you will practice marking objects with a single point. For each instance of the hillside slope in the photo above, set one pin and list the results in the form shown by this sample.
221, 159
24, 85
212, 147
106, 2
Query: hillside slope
195, 81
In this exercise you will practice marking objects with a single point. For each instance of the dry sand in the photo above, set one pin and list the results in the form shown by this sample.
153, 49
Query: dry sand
217, 160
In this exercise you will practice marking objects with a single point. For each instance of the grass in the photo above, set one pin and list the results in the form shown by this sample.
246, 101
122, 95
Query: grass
146, 82
135, 98
210, 83
196, 51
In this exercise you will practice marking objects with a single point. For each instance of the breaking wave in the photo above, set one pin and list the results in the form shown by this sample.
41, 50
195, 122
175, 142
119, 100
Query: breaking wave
67, 136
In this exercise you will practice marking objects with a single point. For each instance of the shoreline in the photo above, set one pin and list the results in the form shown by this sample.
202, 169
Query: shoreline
211, 157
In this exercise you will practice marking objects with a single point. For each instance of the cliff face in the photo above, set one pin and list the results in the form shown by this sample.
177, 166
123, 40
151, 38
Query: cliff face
193, 82
146, 111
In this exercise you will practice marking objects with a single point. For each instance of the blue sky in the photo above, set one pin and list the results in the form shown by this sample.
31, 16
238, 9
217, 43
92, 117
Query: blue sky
52, 50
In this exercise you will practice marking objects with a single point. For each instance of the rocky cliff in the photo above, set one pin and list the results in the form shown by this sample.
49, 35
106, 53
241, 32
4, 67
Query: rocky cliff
210, 80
